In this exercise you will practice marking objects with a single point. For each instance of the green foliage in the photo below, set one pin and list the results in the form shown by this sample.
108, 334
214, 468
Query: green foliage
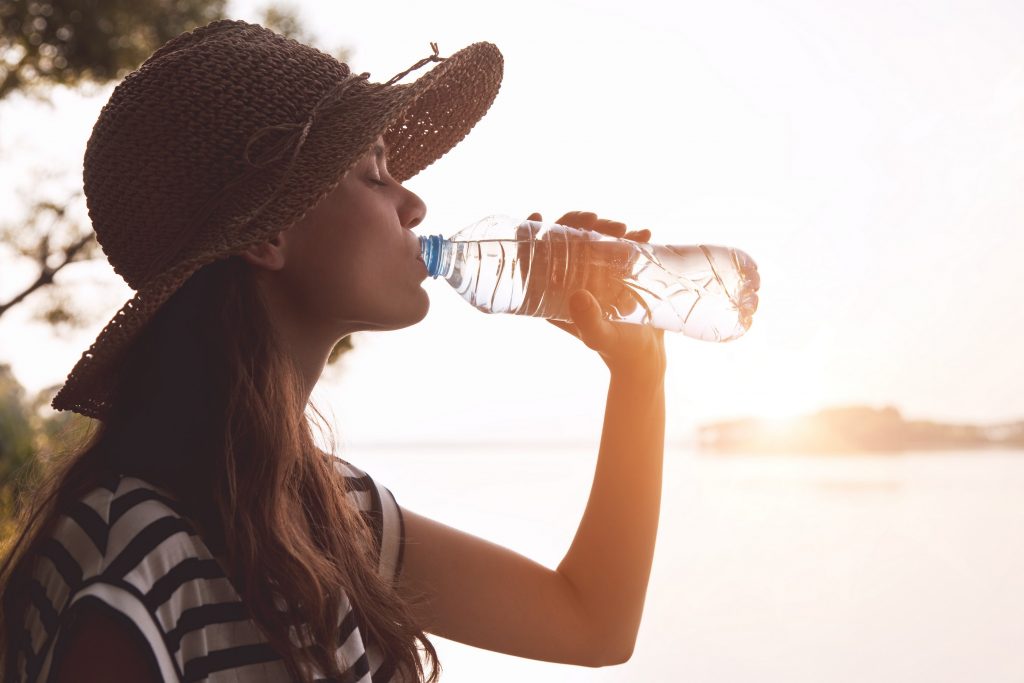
17, 441
29, 432
70, 41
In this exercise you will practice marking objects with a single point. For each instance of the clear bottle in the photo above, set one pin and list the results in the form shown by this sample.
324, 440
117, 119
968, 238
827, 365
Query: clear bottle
504, 265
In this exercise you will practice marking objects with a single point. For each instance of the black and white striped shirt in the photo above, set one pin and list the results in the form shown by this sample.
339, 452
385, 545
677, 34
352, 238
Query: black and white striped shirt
126, 545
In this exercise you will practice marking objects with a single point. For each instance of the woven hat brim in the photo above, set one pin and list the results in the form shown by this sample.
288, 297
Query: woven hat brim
420, 122
90, 386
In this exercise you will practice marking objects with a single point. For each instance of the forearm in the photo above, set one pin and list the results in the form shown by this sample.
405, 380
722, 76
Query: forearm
609, 562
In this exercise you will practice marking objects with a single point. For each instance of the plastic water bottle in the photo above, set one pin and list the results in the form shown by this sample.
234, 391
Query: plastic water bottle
504, 265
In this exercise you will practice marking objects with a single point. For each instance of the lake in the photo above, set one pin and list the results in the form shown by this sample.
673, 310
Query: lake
882, 568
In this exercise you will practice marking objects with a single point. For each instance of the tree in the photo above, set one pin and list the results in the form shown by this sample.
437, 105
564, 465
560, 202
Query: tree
29, 433
50, 238
70, 42
16, 434
44, 43
47, 42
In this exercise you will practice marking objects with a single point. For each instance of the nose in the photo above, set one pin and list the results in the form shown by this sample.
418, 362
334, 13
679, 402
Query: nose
412, 209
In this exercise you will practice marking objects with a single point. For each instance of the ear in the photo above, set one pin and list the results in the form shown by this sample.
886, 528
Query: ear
270, 254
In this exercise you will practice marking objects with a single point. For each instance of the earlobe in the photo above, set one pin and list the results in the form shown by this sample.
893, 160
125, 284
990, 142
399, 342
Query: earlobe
269, 254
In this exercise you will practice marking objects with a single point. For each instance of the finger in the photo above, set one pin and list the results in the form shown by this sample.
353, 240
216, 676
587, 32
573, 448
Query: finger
586, 313
578, 219
624, 303
534, 217
568, 327
639, 235
609, 227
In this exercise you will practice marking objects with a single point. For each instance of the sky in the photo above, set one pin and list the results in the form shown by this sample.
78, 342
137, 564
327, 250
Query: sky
868, 156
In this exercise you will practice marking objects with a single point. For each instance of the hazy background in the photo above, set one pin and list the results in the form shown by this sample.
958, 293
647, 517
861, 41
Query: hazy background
868, 156
870, 159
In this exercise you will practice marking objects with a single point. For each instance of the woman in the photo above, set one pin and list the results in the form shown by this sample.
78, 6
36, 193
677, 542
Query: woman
249, 188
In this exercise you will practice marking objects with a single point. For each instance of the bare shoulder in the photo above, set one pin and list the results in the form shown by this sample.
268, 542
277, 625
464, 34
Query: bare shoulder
101, 646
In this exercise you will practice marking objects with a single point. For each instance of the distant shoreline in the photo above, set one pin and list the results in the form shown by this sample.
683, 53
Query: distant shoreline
847, 430
854, 429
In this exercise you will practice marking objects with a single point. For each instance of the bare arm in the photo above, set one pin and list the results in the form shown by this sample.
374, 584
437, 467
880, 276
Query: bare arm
609, 561
488, 596
588, 610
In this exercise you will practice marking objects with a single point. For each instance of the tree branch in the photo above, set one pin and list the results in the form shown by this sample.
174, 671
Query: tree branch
45, 272
12, 78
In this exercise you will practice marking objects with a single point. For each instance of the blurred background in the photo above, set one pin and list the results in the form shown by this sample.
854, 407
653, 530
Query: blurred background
843, 484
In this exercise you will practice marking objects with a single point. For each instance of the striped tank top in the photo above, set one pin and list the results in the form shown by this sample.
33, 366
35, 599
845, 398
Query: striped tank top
126, 545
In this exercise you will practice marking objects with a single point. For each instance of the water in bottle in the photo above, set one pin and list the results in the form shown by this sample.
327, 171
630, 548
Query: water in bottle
504, 265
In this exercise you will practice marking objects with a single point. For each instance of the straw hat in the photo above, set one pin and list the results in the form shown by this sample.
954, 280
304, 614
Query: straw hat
230, 133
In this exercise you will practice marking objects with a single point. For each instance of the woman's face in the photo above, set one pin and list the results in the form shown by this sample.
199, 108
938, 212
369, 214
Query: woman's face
352, 263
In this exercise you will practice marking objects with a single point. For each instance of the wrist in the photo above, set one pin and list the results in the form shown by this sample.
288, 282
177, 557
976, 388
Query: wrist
638, 375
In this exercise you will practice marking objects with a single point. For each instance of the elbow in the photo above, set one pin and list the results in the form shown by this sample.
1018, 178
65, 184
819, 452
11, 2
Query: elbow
614, 654
623, 654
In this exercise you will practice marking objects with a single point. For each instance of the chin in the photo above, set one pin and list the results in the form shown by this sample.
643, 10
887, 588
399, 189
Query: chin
422, 307
405, 318
419, 314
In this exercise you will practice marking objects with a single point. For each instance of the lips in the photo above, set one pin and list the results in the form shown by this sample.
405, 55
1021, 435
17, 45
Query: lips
419, 258
417, 248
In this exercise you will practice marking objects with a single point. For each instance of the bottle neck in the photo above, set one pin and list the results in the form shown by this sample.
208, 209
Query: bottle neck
437, 254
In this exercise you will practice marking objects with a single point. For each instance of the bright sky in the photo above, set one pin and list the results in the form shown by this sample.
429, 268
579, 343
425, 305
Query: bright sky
868, 156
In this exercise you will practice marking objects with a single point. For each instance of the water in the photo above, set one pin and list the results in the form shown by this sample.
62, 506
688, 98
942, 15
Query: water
500, 265
768, 569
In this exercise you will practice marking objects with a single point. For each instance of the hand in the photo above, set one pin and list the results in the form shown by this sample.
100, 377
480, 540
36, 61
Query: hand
626, 348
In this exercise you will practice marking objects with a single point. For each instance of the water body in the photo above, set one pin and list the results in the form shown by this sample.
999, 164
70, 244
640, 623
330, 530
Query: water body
768, 568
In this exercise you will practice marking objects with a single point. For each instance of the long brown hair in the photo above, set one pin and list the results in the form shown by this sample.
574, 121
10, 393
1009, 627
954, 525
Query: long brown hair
209, 407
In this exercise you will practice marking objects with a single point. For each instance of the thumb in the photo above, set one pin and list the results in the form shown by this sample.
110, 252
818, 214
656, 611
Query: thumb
586, 314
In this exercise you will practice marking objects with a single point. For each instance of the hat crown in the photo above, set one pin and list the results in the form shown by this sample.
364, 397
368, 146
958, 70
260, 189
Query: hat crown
174, 134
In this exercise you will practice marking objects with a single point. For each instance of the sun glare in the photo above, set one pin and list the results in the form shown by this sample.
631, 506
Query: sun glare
784, 393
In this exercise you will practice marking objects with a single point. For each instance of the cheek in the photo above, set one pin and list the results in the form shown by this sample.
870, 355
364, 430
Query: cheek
341, 274
343, 266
